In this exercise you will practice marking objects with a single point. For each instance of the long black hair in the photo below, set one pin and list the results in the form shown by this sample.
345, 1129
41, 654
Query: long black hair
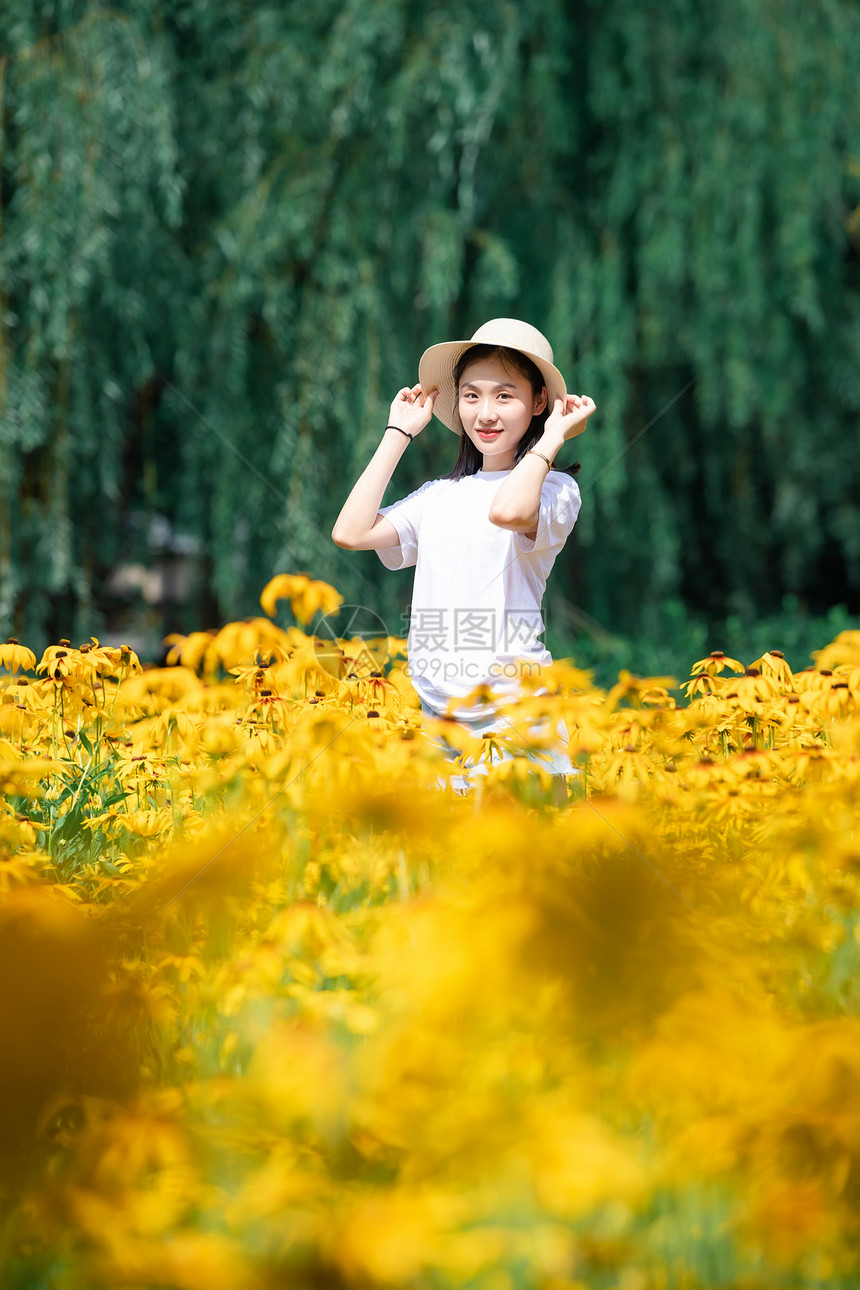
470, 459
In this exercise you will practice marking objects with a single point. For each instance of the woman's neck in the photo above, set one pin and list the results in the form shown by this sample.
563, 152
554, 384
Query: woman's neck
495, 466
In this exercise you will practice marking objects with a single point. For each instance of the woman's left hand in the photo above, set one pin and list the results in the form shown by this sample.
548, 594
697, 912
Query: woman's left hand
569, 416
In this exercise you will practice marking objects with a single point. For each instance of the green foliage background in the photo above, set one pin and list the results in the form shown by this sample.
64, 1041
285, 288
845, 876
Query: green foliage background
229, 231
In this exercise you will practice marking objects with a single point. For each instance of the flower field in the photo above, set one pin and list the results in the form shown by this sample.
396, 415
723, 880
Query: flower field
279, 1011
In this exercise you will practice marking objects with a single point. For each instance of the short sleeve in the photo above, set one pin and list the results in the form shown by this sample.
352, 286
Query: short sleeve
406, 516
560, 501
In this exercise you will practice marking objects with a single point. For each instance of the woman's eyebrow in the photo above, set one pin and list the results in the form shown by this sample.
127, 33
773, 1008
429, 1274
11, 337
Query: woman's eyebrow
502, 385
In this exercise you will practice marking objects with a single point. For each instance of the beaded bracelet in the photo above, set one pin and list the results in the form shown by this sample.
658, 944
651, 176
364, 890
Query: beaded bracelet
402, 431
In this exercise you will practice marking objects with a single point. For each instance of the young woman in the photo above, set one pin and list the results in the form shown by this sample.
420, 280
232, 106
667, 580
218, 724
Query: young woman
483, 538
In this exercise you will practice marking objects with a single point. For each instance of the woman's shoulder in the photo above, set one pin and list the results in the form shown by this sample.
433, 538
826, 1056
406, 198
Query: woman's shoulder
562, 484
429, 486
444, 484
431, 493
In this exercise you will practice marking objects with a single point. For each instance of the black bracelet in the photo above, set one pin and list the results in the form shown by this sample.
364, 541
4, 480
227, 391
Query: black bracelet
402, 431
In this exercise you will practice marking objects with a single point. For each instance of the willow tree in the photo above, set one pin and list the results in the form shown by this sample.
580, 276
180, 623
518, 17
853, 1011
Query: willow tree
227, 238
92, 265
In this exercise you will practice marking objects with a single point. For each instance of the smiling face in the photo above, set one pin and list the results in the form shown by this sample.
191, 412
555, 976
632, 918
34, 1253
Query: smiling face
496, 406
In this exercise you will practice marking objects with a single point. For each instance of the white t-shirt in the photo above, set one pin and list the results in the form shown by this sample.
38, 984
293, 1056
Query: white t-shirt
476, 600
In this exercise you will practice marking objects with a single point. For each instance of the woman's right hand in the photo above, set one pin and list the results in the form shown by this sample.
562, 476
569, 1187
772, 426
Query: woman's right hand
569, 416
412, 409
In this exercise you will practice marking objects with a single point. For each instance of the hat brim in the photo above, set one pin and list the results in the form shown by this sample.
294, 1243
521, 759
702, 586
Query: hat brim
436, 372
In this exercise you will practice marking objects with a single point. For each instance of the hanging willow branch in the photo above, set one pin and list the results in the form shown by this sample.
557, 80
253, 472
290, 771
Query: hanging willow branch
274, 216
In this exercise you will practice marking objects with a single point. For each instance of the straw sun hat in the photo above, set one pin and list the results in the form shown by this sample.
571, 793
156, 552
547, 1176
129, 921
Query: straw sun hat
436, 368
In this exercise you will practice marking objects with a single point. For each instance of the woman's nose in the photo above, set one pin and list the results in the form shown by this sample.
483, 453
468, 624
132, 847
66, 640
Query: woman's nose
488, 412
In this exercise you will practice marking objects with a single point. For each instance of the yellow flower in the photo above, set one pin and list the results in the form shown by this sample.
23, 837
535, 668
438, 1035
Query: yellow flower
16, 831
391, 1240
60, 661
194, 651
577, 1162
305, 596
451, 736
269, 708
173, 721
146, 823
715, 663
259, 745
754, 687
773, 664
845, 649
638, 690
833, 701
704, 684
109, 660
15, 656
160, 686
252, 641
21, 776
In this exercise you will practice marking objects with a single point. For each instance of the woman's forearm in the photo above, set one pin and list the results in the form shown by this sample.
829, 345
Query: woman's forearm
359, 511
517, 501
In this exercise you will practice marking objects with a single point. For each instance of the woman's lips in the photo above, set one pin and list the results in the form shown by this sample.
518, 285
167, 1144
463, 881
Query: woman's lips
489, 434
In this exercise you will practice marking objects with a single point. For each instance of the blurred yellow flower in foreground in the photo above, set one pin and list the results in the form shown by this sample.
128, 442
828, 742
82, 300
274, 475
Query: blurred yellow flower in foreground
279, 1008
305, 595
